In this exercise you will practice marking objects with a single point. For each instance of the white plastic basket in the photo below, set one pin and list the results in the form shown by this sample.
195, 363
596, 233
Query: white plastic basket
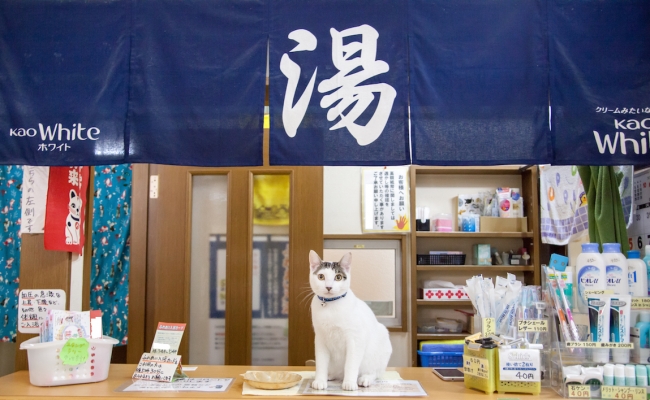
46, 369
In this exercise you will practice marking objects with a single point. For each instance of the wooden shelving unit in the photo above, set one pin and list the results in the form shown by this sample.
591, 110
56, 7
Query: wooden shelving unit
451, 180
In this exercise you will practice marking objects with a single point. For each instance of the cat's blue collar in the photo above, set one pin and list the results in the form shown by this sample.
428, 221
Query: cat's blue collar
328, 299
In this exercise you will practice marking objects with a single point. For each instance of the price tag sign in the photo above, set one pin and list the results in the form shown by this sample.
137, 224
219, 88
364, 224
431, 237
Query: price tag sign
521, 365
579, 391
600, 345
623, 392
532, 325
488, 326
640, 303
592, 292
476, 366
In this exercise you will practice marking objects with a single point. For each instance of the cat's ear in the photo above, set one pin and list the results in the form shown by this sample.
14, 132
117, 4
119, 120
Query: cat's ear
314, 260
346, 261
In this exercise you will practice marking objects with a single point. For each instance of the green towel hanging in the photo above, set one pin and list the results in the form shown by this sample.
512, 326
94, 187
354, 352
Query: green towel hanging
605, 212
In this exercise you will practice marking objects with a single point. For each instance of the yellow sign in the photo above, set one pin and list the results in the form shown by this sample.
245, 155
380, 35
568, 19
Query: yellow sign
476, 366
640, 303
623, 392
579, 391
588, 293
532, 325
600, 345
488, 326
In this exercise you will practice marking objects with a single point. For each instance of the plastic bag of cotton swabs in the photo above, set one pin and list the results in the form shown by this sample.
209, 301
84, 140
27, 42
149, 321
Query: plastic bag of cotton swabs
496, 301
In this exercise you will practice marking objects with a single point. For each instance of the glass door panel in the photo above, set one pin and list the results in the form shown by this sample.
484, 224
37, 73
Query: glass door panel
270, 278
208, 269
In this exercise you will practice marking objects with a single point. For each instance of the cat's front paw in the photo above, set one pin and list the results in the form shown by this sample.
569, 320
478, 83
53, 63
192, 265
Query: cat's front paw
349, 385
319, 384
366, 380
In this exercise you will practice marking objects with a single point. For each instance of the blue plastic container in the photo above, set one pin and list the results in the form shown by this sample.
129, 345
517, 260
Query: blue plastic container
441, 359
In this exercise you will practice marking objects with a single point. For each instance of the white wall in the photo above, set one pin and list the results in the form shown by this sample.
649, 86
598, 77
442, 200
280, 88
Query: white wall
342, 215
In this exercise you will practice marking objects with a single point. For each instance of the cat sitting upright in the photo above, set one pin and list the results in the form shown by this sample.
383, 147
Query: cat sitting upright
350, 343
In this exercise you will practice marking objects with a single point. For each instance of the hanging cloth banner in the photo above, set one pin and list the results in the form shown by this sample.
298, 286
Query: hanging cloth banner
65, 209
197, 93
338, 82
63, 81
600, 81
478, 82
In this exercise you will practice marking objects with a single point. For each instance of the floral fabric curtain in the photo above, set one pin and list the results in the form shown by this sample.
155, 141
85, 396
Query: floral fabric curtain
111, 248
11, 178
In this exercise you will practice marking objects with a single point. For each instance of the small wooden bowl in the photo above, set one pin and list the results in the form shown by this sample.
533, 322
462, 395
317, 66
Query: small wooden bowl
271, 380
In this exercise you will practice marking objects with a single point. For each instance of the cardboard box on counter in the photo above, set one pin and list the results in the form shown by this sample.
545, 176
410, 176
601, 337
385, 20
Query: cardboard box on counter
443, 294
497, 224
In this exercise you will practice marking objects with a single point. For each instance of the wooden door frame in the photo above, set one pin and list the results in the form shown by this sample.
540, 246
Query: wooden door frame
306, 233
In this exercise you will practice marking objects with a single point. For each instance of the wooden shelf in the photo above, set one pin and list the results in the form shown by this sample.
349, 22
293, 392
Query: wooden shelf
450, 303
468, 235
442, 336
438, 188
484, 170
472, 268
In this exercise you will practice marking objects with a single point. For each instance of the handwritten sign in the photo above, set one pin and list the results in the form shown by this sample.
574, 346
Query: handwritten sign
623, 392
476, 366
532, 325
579, 391
33, 305
600, 345
32, 202
168, 338
640, 303
74, 351
488, 326
520, 365
157, 367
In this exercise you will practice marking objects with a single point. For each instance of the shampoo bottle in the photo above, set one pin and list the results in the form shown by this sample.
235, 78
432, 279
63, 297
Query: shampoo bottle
639, 335
615, 268
646, 260
637, 273
590, 270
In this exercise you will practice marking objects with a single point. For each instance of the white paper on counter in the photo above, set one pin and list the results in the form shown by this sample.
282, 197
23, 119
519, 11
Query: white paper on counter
181, 385
292, 391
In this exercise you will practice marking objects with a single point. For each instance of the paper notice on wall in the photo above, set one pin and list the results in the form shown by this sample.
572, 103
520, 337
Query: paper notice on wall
385, 198
33, 305
33, 199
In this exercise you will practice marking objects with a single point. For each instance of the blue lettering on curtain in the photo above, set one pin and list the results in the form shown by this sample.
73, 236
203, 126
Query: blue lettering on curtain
11, 180
197, 88
111, 250
338, 83
600, 81
478, 82
63, 81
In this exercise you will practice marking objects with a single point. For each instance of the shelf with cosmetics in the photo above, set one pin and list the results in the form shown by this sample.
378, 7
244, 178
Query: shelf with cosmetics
438, 190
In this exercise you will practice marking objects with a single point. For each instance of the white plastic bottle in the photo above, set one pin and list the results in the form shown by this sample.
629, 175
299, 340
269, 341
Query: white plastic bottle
615, 268
646, 260
637, 273
590, 270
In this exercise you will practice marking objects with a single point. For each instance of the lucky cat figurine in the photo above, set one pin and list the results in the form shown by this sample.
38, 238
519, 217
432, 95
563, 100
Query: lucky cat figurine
350, 343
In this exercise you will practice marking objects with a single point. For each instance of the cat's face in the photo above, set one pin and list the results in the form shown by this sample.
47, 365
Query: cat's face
329, 279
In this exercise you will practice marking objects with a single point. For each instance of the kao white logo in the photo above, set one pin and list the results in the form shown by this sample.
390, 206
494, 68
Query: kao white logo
345, 86
58, 132
56, 137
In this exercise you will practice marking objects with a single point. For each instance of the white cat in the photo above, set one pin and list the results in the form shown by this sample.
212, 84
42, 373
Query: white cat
350, 343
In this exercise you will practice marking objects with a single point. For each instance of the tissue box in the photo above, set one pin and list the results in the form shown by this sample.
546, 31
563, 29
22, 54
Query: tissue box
497, 224
443, 294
